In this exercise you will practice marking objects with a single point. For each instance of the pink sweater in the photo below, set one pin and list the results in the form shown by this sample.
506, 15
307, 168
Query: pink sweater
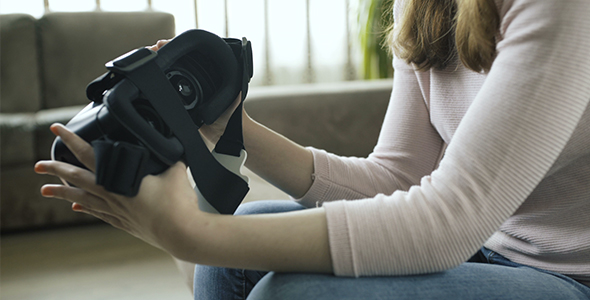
515, 176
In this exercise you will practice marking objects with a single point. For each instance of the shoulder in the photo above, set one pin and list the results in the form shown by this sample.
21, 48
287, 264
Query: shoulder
556, 22
543, 10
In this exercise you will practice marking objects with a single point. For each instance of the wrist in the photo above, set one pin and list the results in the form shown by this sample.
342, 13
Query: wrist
177, 235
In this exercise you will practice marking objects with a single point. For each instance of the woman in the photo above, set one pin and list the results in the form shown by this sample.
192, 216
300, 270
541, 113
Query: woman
504, 215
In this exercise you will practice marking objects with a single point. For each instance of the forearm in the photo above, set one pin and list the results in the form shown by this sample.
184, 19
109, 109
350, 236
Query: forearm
277, 159
286, 242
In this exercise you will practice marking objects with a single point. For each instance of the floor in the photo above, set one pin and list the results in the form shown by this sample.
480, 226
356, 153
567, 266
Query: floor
90, 262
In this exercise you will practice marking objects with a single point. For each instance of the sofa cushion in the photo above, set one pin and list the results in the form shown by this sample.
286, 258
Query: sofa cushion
19, 75
24, 207
17, 142
75, 47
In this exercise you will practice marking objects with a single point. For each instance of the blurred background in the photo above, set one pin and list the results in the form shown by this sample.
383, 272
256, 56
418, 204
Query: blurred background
302, 41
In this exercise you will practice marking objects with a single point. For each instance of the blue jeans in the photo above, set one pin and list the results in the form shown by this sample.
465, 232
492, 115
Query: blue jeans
487, 275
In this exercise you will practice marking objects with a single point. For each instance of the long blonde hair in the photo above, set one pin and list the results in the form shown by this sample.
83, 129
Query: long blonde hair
431, 32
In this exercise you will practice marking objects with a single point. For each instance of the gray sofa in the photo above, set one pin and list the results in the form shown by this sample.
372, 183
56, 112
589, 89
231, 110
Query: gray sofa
46, 64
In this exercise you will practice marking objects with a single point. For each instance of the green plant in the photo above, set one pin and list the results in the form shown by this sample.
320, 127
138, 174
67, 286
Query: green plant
373, 17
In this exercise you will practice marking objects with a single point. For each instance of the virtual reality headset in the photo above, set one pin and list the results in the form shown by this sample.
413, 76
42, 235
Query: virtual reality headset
147, 109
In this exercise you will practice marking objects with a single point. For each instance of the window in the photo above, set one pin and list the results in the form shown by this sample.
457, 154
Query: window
293, 41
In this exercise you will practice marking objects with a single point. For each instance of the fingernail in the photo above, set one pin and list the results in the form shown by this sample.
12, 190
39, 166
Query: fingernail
39, 168
46, 192
76, 207
55, 128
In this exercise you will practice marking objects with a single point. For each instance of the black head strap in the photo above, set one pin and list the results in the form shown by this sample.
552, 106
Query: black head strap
232, 140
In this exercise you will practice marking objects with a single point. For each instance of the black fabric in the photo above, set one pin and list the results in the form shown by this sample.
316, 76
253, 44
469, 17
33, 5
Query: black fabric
232, 140
96, 88
120, 166
223, 189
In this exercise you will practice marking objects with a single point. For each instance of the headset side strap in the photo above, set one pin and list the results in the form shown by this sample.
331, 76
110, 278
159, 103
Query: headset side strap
232, 140
222, 188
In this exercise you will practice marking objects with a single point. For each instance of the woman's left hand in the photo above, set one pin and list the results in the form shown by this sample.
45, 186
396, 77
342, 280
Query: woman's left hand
164, 203
165, 214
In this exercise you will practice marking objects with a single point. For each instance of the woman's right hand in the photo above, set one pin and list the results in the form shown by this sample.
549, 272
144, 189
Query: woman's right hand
279, 160
215, 130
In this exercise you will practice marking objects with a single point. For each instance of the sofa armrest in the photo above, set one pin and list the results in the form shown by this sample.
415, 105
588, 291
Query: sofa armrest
343, 118
43, 119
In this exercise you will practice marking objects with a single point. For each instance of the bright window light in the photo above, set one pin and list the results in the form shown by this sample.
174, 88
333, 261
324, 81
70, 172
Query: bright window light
287, 34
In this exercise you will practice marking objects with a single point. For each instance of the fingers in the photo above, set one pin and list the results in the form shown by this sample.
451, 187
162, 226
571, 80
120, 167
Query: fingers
177, 169
76, 196
84, 202
79, 147
159, 44
79, 177
115, 222
86, 197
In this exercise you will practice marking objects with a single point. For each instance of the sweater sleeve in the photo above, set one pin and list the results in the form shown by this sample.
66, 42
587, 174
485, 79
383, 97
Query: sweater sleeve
512, 133
408, 149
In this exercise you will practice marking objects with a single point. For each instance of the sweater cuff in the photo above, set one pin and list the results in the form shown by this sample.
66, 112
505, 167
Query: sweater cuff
319, 187
339, 238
